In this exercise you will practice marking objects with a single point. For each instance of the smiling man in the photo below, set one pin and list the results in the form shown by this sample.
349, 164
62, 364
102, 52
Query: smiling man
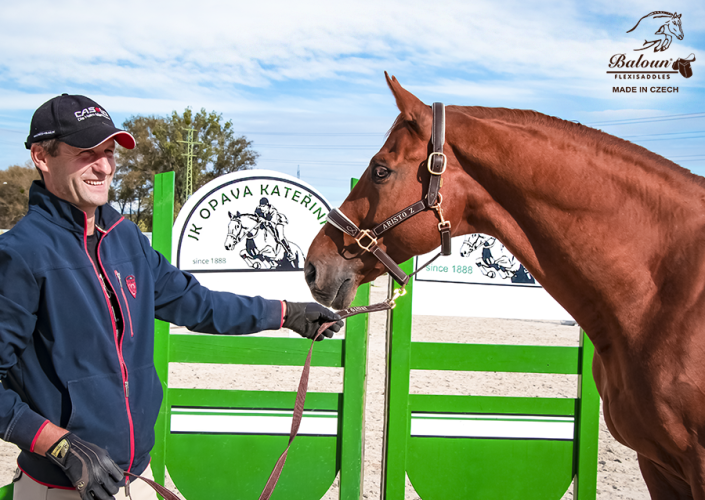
80, 287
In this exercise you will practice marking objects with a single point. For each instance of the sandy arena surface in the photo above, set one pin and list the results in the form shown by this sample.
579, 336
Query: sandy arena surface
618, 472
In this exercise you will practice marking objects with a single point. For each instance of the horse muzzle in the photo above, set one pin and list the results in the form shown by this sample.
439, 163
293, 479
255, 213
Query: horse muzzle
332, 286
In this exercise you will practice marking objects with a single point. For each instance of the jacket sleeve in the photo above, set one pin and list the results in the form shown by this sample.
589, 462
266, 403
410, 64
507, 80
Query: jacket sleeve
180, 299
19, 300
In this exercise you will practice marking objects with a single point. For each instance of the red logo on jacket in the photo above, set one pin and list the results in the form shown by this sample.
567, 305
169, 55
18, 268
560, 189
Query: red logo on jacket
131, 285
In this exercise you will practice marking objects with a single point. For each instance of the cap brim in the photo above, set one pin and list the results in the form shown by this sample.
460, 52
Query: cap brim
94, 136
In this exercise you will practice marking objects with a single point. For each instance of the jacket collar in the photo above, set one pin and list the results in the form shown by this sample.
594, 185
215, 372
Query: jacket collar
64, 214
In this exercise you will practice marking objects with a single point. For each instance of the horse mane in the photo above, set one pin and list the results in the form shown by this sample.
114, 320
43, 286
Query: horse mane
600, 140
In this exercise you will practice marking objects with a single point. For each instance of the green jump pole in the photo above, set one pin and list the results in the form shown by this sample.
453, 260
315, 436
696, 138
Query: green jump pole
352, 449
397, 417
162, 223
588, 422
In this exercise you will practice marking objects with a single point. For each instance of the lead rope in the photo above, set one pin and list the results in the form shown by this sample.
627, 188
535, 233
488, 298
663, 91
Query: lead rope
303, 383
164, 492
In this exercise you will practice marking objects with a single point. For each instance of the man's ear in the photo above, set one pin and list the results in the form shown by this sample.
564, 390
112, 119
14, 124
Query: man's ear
39, 157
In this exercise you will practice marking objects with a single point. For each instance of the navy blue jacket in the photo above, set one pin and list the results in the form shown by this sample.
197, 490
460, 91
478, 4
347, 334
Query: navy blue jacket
60, 358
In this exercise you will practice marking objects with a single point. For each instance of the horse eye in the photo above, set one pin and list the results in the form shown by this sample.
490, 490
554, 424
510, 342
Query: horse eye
380, 173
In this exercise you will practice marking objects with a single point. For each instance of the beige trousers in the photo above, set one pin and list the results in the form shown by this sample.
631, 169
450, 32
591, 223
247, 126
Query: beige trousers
28, 489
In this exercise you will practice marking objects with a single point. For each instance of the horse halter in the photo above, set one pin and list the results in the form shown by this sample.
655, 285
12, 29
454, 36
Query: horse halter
367, 239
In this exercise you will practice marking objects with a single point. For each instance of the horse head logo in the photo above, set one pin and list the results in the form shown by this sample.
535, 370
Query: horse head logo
235, 232
668, 29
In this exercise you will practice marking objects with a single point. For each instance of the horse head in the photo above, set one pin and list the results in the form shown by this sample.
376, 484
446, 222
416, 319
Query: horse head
396, 177
674, 26
470, 244
235, 231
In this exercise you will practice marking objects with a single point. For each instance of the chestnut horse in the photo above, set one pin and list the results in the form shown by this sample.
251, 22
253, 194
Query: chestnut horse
615, 233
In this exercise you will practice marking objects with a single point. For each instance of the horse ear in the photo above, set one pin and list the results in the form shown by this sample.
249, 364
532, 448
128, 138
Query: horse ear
230, 215
412, 109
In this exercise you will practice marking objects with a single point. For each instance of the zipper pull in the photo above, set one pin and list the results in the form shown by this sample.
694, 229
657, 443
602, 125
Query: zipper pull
118, 278
127, 389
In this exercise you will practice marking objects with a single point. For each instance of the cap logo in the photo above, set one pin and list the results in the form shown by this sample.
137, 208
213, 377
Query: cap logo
91, 112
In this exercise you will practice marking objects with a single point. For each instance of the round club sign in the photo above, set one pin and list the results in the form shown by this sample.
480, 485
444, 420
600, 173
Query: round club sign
256, 223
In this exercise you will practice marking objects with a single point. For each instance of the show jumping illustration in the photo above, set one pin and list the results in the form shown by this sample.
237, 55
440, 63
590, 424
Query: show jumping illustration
668, 29
266, 246
494, 260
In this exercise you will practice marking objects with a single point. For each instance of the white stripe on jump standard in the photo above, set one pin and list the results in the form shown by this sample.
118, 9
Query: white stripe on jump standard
254, 422
492, 426
236, 411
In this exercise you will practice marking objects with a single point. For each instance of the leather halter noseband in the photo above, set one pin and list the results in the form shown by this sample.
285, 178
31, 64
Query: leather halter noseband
367, 239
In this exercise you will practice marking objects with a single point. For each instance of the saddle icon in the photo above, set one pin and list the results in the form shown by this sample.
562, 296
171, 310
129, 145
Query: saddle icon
683, 66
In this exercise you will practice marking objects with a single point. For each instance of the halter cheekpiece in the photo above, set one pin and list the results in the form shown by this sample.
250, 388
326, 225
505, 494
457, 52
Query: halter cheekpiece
367, 238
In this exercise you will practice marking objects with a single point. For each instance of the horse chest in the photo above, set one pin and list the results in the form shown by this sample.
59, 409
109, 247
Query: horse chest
650, 412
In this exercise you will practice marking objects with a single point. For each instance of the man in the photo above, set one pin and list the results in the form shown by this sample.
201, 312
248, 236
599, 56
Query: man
79, 290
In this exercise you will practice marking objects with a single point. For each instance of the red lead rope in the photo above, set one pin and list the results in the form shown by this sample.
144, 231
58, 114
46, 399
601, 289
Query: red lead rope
303, 388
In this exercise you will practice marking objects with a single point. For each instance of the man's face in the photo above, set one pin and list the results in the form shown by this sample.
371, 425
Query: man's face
80, 176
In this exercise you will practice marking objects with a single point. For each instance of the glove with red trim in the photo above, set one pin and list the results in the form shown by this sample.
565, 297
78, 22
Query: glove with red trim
305, 318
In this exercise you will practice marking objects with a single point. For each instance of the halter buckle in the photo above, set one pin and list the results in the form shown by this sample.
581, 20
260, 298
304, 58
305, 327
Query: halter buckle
430, 161
444, 225
361, 235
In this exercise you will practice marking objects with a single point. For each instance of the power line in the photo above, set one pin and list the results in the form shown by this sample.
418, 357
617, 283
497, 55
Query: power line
304, 162
315, 146
650, 119
673, 139
663, 133
316, 134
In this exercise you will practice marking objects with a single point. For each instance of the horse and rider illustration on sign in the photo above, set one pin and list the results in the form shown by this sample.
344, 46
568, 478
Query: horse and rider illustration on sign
494, 260
480, 260
256, 223
266, 246
481, 278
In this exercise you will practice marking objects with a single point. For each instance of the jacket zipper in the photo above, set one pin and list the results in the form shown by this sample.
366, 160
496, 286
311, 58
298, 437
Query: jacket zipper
118, 344
127, 305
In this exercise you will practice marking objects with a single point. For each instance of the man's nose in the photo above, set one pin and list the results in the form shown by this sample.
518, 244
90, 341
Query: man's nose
103, 165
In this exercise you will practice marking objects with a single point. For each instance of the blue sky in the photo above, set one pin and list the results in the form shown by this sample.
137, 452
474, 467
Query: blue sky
305, 80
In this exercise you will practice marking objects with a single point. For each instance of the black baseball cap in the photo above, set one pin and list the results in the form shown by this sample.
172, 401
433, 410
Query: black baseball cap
76, 120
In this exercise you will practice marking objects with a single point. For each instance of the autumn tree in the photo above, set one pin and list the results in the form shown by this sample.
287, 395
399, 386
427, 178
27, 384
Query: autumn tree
15, 182
159, 149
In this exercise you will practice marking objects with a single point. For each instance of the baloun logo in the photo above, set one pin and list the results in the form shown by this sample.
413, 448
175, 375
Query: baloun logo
659, 67
668, 29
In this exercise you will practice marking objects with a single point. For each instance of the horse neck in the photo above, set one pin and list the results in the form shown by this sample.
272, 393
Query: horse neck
590, 221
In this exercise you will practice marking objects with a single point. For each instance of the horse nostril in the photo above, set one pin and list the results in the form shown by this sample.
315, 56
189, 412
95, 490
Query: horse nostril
310, 273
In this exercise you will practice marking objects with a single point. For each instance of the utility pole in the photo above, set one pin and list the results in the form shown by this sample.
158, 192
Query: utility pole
190, 143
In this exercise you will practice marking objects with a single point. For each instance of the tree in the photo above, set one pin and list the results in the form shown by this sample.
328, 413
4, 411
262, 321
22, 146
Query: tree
14, 193
159, 150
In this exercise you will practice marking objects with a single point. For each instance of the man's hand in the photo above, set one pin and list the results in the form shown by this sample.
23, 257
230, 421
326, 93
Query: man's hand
305, 318
89, 467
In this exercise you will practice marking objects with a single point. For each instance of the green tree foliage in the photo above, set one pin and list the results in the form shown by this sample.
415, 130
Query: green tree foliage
14, 193
159, 150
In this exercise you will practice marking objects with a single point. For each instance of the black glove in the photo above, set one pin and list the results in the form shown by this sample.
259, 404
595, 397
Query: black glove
89, 467
305, 318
